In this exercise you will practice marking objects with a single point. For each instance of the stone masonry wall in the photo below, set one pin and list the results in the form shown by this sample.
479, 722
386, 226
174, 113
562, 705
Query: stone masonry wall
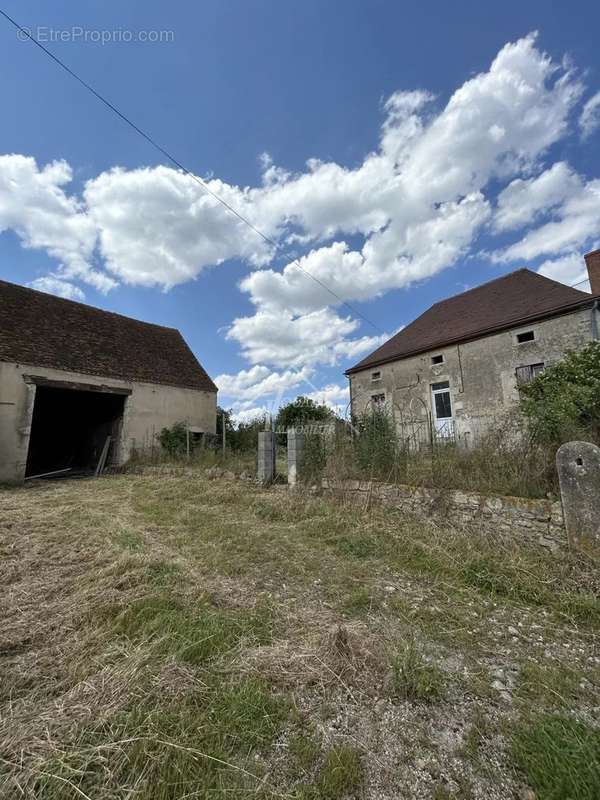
539, 521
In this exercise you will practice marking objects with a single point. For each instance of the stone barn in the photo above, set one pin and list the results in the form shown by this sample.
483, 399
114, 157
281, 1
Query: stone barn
72, 375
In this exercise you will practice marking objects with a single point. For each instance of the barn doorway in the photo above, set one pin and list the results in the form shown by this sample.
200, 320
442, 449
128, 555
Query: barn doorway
70, 426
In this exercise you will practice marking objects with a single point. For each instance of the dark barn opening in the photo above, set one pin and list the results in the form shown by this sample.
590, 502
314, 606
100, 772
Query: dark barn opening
69, 428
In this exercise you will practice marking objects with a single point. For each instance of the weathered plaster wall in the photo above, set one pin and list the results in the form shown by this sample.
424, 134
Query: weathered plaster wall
148, 408
539, 521
481, 373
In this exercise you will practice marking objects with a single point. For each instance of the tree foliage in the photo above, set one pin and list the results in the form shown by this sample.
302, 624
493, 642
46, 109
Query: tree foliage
563, 401
302, 411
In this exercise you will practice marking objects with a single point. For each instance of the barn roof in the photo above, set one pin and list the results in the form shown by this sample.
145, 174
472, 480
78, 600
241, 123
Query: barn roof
42, 330
506, 302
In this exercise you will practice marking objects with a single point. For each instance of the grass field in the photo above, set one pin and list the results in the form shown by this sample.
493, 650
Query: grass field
167, 636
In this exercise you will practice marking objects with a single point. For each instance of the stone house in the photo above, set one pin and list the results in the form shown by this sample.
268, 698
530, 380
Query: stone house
71, 375
455, 370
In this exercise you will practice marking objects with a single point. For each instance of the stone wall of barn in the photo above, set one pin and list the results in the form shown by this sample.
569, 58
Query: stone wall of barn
148, 408
481, 375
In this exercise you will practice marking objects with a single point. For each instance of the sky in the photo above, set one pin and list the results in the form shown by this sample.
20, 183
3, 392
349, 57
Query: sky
398, 153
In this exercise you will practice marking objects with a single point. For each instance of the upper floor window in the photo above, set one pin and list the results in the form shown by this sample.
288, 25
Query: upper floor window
376, 376
378, 400
439, 359
528, 373
525, 336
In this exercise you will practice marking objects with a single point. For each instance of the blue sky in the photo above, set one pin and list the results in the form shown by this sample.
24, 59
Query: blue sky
402, 151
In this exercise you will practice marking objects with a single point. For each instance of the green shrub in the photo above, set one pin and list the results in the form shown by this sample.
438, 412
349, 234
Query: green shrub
173, 440
563, 402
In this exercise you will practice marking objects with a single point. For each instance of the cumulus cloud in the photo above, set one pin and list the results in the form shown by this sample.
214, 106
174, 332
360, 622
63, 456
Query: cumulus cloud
575, 223
589, 119
285, 340
333, 395
259, 381
524, 200
569, 269
34, 204
53, 285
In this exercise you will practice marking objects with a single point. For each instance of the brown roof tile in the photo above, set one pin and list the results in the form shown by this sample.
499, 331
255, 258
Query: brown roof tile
501, 303
46, 331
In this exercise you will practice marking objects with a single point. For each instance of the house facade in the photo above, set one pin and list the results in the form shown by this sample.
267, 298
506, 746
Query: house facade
454, 372
71, 376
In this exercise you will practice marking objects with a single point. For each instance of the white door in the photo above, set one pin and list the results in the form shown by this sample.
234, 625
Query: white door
442, 410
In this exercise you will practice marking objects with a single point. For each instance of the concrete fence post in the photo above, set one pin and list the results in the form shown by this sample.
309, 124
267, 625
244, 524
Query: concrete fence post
295, 452
266, 457
578, 466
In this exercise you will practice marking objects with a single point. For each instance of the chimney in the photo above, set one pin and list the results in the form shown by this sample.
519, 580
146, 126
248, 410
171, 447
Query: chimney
592, 262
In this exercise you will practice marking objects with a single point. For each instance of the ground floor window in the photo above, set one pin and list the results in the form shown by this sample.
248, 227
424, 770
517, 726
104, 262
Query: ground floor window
528, 373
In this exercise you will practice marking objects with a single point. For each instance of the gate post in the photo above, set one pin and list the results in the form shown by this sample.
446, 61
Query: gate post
295, 451
266, 457
578, 466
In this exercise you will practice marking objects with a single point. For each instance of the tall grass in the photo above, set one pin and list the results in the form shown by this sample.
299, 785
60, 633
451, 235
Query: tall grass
505, 460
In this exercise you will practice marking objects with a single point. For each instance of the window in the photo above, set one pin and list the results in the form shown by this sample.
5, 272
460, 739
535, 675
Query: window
526, 336
378, 400
528, 373
437, 359
442, 405
376, 376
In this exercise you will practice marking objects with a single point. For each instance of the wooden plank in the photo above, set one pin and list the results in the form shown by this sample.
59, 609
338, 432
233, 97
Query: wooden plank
102, 460
47, 474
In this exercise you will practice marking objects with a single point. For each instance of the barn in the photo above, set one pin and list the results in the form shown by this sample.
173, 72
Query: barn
79, 385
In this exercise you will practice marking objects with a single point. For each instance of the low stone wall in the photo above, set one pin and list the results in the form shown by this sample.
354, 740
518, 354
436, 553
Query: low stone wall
540, 521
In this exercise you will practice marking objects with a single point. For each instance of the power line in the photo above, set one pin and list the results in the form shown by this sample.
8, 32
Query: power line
573, 285
184, 169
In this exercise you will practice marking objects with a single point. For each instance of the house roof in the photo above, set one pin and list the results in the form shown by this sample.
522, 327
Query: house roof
505, 302
42, 330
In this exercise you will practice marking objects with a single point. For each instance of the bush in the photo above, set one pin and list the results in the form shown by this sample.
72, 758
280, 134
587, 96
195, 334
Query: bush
302, 411
174, 440
563, 402
376, 447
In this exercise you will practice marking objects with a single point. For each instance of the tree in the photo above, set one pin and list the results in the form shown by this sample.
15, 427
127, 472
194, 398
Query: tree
563, 401
302, 411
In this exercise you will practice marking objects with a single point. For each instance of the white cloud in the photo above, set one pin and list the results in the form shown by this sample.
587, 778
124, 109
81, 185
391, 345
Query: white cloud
281, 339
589, 119
523, 200
53, 285
569, 269
159, 227
333, 395
34, 204
576, 222
260, 381
245, 415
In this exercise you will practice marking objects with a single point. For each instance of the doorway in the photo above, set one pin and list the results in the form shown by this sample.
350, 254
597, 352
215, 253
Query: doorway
69, 429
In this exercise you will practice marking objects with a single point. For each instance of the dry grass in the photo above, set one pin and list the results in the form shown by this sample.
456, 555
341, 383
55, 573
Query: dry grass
167, 636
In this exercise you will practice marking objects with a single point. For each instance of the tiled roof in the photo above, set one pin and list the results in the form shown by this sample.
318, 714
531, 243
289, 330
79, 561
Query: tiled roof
41, 330
503, 303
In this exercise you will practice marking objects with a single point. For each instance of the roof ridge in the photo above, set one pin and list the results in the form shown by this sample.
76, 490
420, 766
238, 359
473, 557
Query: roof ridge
87, 305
